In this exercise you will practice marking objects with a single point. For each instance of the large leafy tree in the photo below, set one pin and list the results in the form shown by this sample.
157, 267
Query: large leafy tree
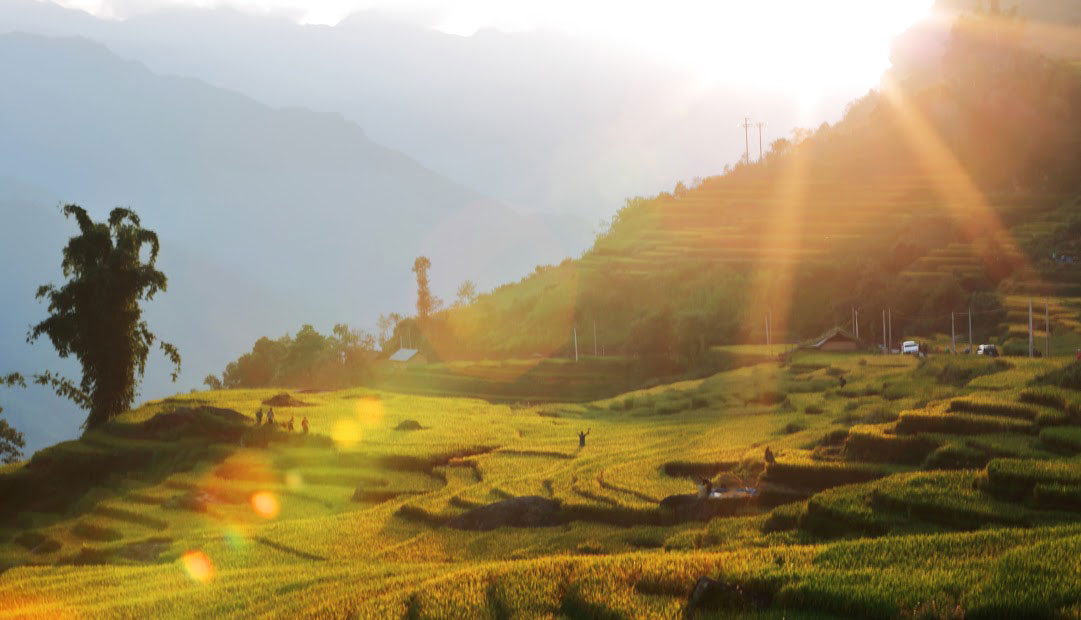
11, 440
96, 315
424, 295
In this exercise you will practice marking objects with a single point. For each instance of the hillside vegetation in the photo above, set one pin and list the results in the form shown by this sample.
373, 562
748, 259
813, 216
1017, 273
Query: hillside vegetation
183, 507
935, 194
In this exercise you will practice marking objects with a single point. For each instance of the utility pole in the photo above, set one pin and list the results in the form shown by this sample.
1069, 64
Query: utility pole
885, 351
746, 124
857, 312
1030, 327
953, 336
970, 330
576, 343
1047, 328
594, 337
759, 124
889, 316
768, 341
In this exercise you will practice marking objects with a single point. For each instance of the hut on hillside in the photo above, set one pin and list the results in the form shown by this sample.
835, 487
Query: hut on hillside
407, 357
836, 339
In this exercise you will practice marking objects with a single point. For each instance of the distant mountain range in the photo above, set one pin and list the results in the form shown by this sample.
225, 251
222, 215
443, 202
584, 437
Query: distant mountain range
538, 120
270, 218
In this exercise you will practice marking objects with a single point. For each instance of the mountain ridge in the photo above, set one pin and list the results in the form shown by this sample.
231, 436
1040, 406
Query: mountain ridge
299, 204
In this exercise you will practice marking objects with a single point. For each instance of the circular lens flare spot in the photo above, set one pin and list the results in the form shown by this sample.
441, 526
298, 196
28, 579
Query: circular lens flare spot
265, 504
236, 538
346, 433
370, 412
198, 566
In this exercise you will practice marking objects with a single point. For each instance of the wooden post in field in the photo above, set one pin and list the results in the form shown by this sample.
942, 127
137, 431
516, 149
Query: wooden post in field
1030, 327
889, 318
857, 311
1047, 328
953, 336
576, 343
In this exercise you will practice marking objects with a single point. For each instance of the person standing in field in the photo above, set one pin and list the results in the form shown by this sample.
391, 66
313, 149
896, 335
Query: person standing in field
304, 424
582, 438
290, 426
259, 417
705, 487
270, 416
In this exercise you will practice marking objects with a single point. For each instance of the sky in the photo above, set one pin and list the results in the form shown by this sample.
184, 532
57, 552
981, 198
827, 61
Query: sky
791, 45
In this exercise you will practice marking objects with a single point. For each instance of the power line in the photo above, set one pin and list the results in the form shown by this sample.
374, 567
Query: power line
760, 125
746, 124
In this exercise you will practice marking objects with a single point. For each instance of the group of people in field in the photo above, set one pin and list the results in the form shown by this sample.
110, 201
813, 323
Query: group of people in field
285, 425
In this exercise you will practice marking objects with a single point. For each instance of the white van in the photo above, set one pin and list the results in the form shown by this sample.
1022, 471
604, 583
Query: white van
910, 347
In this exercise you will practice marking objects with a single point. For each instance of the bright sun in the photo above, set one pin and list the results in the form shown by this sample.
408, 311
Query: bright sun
797, 46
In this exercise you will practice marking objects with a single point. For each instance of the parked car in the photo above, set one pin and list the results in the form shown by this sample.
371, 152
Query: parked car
910, 347
989, 350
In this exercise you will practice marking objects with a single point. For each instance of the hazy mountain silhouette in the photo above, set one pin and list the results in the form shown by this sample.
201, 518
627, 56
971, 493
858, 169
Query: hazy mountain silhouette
535, 119
269, 218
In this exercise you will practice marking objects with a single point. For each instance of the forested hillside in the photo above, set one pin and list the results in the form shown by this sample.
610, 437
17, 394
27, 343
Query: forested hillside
931, 196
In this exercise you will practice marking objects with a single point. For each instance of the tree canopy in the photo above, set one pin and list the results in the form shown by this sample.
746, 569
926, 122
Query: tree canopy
11, 440
426, 302
96, 315
307, 360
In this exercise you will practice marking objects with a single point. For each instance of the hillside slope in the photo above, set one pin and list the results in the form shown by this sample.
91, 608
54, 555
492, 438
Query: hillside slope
927, 198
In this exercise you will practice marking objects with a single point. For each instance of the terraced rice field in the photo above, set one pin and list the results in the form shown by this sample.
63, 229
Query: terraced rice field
899, 494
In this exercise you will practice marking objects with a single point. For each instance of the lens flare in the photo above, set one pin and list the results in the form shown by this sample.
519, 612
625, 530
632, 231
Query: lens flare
370, 412
235, 537
265, 504
346, 433
198, 566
